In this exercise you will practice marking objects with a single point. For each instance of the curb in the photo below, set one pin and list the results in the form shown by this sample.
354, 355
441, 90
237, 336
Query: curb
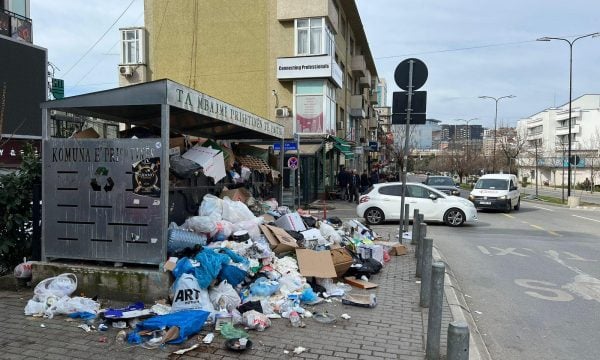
460, 312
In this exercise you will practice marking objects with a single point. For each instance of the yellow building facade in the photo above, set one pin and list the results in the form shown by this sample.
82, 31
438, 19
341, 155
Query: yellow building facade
305, 64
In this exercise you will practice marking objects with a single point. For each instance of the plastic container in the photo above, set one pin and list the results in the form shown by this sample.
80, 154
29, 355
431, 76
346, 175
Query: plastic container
121, 337
295, 319
180, 239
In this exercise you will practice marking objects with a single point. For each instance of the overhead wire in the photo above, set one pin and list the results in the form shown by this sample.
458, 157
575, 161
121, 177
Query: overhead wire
100, 39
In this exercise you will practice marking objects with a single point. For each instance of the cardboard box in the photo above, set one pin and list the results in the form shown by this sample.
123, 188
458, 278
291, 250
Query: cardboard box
88, 133
177, 145
291, 221
359, 283
315, 263
239, 194
211, 160
394, 248
342, 260
371, 252
279, 240
313, 234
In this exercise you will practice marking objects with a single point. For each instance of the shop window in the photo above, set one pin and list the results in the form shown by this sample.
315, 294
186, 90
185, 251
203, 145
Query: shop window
132, 46
309, 106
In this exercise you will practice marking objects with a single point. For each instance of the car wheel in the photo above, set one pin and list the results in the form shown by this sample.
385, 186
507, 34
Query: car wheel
518, 206
374, 216
508, 206
454, 217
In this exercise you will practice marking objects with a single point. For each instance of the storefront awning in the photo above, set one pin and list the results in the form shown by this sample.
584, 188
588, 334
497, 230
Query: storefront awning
343, 146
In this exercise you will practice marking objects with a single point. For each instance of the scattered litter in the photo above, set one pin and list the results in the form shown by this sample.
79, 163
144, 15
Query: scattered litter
345, 316
85, 327
183, 351
103, 339
324, 317
299, 350
208, 338
369, 301
468, 296
42, 325
103, 327
238, 344
119, 325
478, 312
286, 352
418, 282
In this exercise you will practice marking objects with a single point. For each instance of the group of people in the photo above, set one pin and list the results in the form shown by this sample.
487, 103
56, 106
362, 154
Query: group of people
352, 184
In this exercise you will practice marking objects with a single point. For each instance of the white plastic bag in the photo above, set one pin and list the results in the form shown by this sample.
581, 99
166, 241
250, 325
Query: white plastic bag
67, 305
236, 211
200, 224
329, 233
35, 308
187, 295
59, 286
23, 270
251, 226
254, 320
211, 206
224, 295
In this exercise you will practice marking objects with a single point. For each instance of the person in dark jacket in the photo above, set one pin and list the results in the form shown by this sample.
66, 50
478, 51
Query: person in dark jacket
365, 182
354, 185
342, 181
374, 177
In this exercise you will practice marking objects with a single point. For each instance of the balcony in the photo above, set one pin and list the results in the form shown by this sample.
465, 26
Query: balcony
564, 114
373, 98
358, 106
359, 65
564, 130
15, 26
534, 122
365, 81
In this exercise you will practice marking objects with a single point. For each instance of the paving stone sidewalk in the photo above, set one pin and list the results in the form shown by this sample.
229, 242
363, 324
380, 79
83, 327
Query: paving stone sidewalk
395, 329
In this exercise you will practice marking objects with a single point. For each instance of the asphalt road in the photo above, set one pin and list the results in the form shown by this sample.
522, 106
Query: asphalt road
531, 279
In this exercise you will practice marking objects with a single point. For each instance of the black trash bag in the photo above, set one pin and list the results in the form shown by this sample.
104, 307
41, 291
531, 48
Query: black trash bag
296, 235
309, 221
250, 305
183, 168
334, 220
369, 267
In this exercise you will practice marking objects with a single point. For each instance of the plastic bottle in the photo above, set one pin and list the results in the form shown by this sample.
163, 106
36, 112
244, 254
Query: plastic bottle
295, 319
121, 337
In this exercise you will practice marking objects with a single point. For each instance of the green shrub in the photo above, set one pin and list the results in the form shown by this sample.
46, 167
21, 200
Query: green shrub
16, 210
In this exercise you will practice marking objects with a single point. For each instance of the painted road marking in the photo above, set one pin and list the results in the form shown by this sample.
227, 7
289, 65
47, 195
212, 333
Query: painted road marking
510, 216
537, 227
483, 250
542, 208
576, 257
583, 217
551, 294
584, 285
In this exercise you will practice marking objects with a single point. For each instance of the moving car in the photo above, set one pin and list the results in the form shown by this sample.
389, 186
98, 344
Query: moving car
382, 202
444, 184
497, 191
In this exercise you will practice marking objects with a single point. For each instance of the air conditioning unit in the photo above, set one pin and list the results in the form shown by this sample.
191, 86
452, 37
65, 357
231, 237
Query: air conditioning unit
282, 112
126, 70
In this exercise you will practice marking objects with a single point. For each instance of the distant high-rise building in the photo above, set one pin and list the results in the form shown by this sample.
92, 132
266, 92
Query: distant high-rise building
382, 93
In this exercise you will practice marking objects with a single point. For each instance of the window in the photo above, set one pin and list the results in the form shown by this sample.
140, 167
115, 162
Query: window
313, 37
393, 190
132, 46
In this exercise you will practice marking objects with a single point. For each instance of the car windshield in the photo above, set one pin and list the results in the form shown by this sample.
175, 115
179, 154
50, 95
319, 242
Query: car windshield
492, 184
440, 181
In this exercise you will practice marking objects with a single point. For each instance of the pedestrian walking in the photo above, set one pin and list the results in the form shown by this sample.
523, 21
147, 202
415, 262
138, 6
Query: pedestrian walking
354, 186
342, 180
365, 182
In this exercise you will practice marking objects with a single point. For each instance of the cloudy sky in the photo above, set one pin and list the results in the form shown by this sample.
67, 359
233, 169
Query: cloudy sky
471, 48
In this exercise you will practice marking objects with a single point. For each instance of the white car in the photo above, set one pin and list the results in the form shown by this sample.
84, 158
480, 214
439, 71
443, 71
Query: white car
382, 202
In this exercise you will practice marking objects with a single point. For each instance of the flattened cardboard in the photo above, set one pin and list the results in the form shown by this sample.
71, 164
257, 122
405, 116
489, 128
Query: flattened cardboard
279, 240
88, 133
239, 194
342, 260
315, 263
395, 248
361, 284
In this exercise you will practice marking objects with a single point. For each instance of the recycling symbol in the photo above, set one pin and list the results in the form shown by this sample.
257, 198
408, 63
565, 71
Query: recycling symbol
102, 178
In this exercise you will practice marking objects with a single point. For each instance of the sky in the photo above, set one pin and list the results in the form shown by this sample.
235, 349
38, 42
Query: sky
471, 48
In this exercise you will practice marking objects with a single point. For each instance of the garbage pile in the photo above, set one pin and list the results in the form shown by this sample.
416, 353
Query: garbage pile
235, 271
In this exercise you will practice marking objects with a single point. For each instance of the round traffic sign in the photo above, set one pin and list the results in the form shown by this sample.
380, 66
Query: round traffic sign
293, 163
419, 74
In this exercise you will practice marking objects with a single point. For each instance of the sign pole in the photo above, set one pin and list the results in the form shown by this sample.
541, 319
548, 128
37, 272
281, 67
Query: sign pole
298, 170
406, 142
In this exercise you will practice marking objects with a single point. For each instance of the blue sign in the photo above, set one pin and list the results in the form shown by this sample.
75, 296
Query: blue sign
288, 146
373, 146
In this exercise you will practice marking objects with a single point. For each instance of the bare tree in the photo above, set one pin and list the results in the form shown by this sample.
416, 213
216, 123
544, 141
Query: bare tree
511, 143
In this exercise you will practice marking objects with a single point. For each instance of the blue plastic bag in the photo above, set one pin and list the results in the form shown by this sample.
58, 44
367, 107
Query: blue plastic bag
232, 274
264, 287
189, 322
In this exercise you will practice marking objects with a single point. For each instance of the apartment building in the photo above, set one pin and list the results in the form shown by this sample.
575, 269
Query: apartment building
546, 138
303, 63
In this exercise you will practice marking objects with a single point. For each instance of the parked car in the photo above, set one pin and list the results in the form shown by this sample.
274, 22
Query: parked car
382, 202
444, 184
497, 191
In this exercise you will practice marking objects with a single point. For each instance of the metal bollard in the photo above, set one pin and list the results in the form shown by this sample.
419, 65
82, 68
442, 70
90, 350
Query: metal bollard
458, 341
434, 320
419, 249
426, 272
406, 210
415, 227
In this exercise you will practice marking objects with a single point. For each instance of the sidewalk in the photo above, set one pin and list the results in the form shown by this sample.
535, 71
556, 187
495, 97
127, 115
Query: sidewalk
395, 329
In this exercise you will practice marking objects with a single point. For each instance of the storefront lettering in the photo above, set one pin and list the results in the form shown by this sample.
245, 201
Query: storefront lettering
212, 107
100, 154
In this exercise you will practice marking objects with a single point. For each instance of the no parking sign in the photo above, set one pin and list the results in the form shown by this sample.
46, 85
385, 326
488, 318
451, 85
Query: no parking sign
293, 163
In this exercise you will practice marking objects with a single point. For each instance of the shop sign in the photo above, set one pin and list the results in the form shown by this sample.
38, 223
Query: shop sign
11, 150
287, 146
309, 67
203, 104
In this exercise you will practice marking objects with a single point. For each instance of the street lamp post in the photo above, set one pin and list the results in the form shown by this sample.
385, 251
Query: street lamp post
570, 42
495, 124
